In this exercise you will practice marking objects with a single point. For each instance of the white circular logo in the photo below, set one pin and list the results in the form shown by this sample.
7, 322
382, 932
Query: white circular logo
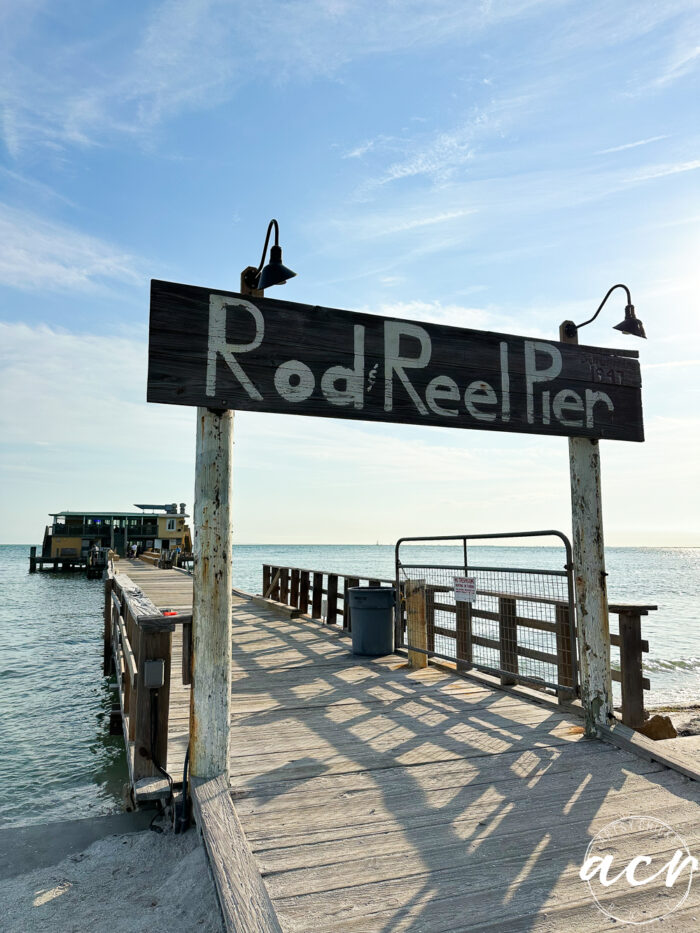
638, 870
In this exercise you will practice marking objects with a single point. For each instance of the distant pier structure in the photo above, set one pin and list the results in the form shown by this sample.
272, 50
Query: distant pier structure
72, 535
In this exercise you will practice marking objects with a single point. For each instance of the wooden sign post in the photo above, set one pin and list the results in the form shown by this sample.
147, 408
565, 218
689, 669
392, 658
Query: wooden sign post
210, 698
220, 350
593, 625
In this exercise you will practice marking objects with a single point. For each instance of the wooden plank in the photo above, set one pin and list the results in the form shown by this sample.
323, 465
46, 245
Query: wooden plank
289, 612
616, 676
128, 653
416, 633
245, 903
312, 361
623, 737
151, 788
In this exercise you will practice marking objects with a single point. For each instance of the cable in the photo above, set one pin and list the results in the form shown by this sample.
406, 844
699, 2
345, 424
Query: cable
182, 815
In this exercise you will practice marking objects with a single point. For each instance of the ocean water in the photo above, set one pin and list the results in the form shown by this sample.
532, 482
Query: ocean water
58, 760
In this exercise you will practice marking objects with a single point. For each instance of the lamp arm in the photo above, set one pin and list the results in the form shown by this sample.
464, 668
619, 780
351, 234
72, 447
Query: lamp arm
273, 223
600, 306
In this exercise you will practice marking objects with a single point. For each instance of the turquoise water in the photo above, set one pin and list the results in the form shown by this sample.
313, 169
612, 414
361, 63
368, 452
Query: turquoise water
58, 760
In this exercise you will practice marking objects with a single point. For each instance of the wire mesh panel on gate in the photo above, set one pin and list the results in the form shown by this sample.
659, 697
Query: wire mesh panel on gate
515, 622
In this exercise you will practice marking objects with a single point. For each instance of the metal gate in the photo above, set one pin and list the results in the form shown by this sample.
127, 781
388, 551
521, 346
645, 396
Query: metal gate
459, 601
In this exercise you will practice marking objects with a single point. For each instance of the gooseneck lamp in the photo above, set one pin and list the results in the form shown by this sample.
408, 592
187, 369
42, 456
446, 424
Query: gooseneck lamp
275, 272
630, 325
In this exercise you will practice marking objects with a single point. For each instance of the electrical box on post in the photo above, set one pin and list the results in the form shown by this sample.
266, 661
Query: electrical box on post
153, 674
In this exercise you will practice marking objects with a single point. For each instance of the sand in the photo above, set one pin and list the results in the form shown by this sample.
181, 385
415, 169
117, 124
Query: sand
133, 883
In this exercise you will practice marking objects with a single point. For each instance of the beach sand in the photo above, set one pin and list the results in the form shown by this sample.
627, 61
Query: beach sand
135, 882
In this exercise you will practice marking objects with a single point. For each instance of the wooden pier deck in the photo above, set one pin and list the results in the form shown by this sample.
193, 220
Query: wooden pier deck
374, 797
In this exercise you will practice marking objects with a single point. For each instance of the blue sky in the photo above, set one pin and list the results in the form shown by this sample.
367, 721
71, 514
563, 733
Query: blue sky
492, 165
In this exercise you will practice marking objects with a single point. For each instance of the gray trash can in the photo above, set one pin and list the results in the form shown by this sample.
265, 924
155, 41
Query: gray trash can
372, 619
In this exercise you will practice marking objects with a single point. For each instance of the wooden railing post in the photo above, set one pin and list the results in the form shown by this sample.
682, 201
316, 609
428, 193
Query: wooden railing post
152, 704
332, 596
464, 635
416, 634
284, 585
304, 591
430, 617
294, 594
266, 579
508, 639
592, 623
317, 598
210, 697
631, 674
107, 654
565, 661
347, 614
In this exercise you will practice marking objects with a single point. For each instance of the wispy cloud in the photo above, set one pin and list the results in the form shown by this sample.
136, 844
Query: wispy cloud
680, 65
185, 55
40, 255
660, 171
634, 145
418, 222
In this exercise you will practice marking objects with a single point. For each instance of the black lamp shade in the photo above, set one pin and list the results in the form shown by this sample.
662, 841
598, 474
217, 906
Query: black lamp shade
274, 273
631, 324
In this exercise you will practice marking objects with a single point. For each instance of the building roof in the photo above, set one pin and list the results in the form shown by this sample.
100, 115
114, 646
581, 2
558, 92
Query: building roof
91, 514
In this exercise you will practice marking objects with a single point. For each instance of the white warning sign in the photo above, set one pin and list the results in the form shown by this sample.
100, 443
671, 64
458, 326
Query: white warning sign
465, 589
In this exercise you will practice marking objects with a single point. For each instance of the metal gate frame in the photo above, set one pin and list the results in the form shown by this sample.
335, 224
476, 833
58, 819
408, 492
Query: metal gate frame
565, 691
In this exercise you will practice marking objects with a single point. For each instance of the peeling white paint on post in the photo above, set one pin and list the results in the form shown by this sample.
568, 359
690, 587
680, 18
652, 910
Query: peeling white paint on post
210, 703
593, 626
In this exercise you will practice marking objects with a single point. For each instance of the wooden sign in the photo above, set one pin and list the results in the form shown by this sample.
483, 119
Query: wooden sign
223, 350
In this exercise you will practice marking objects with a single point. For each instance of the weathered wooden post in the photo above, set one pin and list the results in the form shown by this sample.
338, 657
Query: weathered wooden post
593, 627
416, 623
210, 703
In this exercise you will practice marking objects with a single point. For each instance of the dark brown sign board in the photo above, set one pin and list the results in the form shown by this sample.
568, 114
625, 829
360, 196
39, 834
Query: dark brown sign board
219, 349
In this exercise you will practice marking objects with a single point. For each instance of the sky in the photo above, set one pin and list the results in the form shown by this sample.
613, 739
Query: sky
493, 165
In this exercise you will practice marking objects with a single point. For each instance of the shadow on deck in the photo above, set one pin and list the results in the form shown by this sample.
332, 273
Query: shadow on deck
378, 798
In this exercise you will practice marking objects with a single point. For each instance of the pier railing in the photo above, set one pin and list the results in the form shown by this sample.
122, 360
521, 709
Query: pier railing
318, 593
322, 595
138, 651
